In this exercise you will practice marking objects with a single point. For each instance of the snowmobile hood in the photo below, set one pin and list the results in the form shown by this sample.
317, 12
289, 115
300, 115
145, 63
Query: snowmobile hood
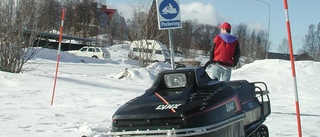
153, 102
160, 99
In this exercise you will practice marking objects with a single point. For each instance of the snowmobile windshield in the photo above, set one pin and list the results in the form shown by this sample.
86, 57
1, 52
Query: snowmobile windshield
202, 76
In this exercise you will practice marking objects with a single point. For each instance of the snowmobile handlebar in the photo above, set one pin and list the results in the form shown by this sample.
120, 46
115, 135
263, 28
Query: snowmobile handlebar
207, 64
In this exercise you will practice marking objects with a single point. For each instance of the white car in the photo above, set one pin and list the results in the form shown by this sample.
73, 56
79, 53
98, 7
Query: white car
92, 52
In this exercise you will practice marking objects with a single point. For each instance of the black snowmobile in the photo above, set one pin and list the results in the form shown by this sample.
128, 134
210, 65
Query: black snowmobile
187, 102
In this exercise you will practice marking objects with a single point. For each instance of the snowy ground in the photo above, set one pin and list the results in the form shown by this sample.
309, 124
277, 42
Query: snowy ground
87, 94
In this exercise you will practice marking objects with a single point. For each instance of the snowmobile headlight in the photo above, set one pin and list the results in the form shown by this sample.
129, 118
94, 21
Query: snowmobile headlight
177, 80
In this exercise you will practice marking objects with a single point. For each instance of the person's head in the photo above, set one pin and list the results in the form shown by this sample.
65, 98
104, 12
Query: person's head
225, 28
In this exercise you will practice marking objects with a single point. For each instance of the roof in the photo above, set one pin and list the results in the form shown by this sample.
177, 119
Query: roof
56, 36
303, 56
109, 12
272, 55
144, 42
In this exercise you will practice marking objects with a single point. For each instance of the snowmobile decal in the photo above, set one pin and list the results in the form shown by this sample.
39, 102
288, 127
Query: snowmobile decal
233, 105
166, 102
227, 103
224, 106
230, 106
170, 106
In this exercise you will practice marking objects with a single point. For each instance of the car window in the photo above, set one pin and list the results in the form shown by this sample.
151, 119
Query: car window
98, 50
147, 50
84, 49
135, 49
91, 50
158, 52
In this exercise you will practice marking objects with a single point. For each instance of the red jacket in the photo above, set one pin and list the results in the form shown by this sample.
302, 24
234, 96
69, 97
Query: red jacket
226, 50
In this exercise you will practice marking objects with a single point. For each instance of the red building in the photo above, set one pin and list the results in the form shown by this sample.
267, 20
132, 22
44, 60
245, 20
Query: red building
112, 23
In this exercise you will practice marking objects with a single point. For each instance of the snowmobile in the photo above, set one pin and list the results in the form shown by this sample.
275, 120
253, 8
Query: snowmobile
187, 102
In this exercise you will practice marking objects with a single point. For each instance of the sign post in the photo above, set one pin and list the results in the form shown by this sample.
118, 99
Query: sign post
169, 17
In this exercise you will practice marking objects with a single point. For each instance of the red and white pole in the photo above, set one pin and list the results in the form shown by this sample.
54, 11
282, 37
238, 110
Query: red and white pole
293, 68
58, 56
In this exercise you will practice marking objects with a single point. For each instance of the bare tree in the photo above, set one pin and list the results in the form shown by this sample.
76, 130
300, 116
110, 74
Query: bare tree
86, 18
261, 46
317, 37
70, 22
196, 38
252, 44
50, 14
203, 36
81, 18
137, 24
283, 47
251, 55
184, 37
310, 44
16, 18
242, 33
143, 26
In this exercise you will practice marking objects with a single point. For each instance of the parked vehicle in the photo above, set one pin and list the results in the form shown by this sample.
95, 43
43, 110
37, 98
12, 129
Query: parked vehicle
150, 50
93, 52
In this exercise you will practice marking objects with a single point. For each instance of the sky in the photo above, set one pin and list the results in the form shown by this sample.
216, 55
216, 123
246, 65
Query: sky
253, 13
88, 92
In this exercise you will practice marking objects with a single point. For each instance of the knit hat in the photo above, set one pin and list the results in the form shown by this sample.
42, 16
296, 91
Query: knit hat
226, 25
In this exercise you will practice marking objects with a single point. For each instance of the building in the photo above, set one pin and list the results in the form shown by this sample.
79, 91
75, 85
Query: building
303, 56
112, 23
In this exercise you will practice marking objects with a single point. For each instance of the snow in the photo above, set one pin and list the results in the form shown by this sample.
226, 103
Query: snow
88, 92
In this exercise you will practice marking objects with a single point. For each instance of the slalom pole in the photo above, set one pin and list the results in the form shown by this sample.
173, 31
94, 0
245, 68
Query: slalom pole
293, 68
58, 56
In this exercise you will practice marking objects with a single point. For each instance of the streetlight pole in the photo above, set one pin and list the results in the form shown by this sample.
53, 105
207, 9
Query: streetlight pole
268, 26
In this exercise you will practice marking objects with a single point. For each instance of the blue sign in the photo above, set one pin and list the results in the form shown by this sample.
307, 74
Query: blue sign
168, 14
169, 9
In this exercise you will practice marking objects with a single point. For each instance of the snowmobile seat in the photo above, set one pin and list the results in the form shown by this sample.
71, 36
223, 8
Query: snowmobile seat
243, 88
214, 82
